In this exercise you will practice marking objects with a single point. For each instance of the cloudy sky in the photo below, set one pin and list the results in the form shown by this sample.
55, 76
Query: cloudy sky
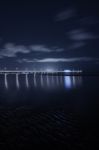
49, 34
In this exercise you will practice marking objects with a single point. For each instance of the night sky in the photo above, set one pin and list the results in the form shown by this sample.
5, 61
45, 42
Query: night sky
48, 34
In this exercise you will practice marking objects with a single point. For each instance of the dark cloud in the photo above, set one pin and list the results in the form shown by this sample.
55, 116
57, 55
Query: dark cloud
11, 50
65, 15
80, 35
77, 45
42, 48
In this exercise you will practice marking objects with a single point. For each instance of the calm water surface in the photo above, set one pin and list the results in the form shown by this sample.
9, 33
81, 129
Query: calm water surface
47, 109
43, 90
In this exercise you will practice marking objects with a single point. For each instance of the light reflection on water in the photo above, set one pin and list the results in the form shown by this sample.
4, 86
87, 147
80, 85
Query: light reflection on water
68, 82
42, 91
43, 81
5, 81
27, 82
17, 81
72, 81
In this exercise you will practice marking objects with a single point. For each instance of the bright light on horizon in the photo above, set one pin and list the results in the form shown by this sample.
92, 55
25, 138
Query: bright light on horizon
67, 71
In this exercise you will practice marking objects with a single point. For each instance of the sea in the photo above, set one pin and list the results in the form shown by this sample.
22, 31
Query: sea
49, 109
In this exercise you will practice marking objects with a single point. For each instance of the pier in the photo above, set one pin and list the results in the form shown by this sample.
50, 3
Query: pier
43, 79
